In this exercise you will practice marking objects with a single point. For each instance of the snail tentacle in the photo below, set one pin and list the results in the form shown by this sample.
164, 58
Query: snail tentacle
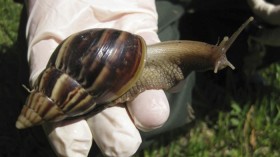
225, 45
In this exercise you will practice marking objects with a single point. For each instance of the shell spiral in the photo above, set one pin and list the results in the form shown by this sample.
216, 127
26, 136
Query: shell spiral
86, 71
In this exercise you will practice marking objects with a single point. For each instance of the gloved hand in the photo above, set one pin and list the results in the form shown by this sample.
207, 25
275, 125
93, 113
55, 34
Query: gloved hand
269, 12
114, 129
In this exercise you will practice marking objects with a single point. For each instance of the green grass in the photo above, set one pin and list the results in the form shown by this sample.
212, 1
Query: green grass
232, 135
247, 129
9, 21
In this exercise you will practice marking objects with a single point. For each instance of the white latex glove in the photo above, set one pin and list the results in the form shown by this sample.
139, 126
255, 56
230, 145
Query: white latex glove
113, 129
269, 13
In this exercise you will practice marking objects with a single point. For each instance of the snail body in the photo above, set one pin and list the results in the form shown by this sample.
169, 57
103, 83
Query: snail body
97, 68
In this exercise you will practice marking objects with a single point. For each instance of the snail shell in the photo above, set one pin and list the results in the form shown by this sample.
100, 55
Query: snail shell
88, 68
96, 68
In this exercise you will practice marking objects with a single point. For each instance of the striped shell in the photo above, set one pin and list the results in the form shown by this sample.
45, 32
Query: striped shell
86, 71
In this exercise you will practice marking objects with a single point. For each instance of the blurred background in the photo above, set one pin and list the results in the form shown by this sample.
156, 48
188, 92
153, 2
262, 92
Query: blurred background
237, 113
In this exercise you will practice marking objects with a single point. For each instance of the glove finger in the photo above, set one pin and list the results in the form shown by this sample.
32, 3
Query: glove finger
149, 110
69, 138
114, 132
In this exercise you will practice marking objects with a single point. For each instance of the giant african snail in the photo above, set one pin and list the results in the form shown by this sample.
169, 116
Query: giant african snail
96, 68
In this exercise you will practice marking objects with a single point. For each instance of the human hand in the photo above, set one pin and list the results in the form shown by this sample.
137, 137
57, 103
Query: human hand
113, 129
270, 14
